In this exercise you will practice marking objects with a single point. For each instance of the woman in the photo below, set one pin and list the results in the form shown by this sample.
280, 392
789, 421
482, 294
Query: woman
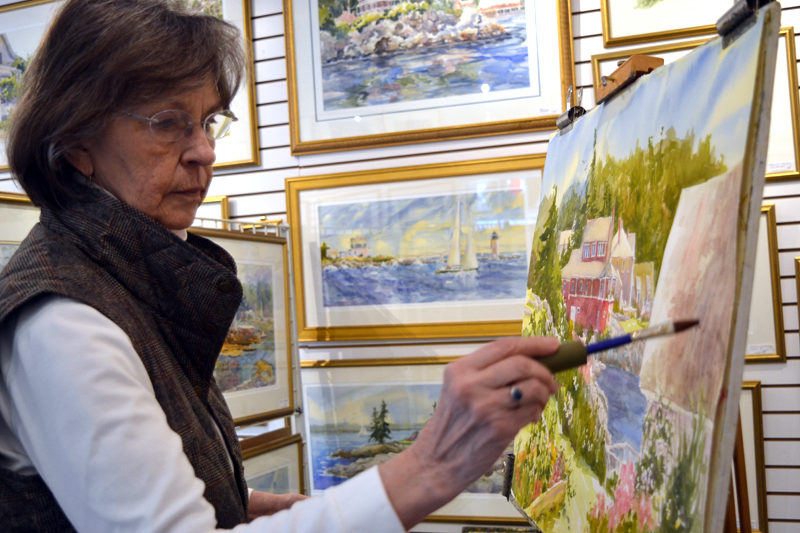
111, 317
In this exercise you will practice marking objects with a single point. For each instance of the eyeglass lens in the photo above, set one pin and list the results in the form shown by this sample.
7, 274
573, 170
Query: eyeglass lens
172, 125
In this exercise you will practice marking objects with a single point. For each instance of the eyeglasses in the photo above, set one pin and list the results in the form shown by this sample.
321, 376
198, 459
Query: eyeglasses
172, 125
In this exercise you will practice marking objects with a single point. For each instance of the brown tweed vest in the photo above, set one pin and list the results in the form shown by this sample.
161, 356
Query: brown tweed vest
174, 299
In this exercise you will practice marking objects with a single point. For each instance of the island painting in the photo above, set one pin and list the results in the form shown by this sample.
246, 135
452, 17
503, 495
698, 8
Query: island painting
352, 427
650, 208
376, 55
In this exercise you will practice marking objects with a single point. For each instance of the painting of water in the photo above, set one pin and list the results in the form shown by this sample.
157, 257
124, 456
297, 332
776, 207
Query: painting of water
353, 427
649, 213
426, 54
424, 249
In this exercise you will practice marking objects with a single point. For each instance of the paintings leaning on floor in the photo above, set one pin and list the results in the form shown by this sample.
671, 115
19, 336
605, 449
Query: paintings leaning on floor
649, 213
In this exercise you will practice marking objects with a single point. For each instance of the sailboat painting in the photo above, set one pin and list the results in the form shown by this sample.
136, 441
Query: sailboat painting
455, 261
423, 249
419, 251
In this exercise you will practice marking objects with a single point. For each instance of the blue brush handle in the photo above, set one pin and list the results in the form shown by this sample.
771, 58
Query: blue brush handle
608, 344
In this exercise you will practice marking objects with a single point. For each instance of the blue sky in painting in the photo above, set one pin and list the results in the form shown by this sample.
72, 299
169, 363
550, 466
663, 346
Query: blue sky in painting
421, 226
352, 404
708, 92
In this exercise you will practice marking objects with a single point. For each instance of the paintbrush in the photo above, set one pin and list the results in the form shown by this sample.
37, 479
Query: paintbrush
574, 353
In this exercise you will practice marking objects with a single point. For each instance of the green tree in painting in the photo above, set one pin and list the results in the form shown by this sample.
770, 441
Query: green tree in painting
544, 277
323, 249
379, 430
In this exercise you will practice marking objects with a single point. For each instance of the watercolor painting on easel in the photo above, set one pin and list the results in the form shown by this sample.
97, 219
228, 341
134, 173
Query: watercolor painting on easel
649, 213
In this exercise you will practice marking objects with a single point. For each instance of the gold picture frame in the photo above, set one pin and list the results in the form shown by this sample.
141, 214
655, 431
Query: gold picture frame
254, 369
275, 467
337, 298
213, 212
23, 24
783, 152
658, 20
765, 335
751, 413
338, 403
342, 120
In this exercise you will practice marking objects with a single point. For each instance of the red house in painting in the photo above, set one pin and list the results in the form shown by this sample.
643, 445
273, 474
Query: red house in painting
598, 273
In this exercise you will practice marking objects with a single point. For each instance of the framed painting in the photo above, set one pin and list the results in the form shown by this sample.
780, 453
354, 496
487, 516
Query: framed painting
656, 200
275, 467
254, 369
750, 414
23, 24
17, 216
383, 73
637, 21
784, 127
765, 336
212, 213
413, 252
358, 417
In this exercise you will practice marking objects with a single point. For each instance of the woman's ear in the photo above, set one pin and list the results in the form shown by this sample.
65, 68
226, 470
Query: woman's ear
80, 158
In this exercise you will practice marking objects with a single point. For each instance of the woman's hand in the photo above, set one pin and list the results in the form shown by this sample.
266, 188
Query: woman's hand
475, 418
265, 503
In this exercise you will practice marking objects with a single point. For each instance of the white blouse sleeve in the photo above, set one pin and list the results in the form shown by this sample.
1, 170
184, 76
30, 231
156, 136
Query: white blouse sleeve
82, 407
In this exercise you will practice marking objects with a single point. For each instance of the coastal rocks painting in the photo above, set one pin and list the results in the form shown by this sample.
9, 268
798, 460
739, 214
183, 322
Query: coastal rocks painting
649, 214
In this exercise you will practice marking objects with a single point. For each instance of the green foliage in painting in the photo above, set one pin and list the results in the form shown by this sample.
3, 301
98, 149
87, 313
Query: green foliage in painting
582, 424
657, 434
679, 510
379, 429
544, 277
643, 188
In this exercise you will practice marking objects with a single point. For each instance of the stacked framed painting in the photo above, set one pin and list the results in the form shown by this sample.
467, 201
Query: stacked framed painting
254, 369
23, 24
381, 74
414, 252
655, 197
637, 21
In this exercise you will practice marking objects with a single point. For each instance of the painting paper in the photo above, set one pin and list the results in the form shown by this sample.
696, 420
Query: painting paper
649, 214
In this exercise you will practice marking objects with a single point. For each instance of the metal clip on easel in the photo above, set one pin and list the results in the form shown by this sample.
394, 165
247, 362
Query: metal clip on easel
737, 19
564, 122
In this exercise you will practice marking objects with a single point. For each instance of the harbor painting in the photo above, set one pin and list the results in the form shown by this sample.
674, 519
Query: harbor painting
424, 249
642, 221
377, 55
421, 251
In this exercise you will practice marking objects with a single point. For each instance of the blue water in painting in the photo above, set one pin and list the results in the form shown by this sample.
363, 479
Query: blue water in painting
419, 283
324, 444
626, 405
384, 79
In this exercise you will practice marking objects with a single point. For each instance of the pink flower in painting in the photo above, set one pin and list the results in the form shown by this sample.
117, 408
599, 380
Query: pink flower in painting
644, 510
623, 496
586, 372
599, 507
345, 18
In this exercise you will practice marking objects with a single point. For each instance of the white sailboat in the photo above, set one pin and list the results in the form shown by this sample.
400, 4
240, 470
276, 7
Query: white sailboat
455, 261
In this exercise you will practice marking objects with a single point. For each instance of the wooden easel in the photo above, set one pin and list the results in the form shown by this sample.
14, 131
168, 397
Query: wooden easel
739, 489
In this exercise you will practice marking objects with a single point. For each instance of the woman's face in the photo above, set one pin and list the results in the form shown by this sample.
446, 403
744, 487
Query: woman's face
166, 181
